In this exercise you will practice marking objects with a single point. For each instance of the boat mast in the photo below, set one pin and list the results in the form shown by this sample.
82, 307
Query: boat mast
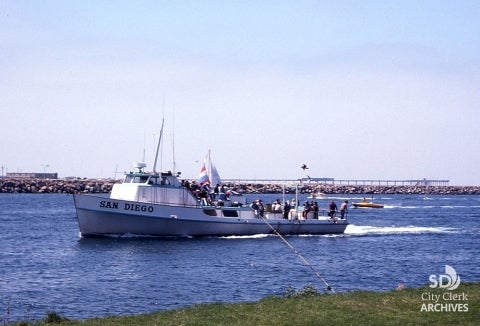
296, 197
144, 138
209, 169
158, 148
173, 147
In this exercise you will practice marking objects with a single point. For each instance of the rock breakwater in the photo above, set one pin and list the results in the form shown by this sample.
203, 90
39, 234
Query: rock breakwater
360, 190
70, 186
46, 186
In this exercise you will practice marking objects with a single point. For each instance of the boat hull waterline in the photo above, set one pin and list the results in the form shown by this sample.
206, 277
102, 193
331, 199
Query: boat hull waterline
103, 216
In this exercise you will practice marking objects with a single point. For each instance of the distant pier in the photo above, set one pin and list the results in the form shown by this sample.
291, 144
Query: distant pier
343, 182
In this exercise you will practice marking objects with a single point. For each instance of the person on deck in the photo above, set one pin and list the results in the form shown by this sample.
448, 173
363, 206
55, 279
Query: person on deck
255, 208
216, 191
276, 206
343, 209
315, 210
286, 210
332, 209
261, 208
306, 209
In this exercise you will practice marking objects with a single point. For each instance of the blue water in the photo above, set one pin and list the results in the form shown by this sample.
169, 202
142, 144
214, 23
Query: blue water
45, 266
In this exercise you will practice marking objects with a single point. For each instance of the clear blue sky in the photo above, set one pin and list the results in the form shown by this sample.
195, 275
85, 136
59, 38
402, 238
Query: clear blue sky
354, 89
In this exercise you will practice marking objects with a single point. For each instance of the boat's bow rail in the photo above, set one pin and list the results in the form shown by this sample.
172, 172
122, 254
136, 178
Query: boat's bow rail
246, 212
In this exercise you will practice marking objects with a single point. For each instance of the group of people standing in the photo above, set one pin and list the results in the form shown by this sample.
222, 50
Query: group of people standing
332, 209
205, 192
259, 208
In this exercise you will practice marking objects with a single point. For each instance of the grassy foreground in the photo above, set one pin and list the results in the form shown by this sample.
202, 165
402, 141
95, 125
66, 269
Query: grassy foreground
308, 307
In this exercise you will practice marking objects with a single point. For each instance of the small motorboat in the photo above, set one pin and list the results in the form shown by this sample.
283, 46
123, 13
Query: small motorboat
317, 195
367, 204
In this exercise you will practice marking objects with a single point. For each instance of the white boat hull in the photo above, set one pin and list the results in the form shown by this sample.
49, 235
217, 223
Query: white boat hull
102, 216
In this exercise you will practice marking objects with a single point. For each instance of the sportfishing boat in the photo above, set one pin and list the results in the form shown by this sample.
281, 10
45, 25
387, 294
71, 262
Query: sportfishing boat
160, 204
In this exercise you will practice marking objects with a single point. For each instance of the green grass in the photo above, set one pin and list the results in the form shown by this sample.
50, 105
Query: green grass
307, 307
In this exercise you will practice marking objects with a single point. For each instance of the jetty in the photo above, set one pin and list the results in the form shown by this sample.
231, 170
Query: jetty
86, 185
46, 186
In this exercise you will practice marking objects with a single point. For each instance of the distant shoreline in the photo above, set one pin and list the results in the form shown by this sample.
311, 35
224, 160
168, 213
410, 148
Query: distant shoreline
70, 186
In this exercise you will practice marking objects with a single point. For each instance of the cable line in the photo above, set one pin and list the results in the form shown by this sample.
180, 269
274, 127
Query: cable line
329, 288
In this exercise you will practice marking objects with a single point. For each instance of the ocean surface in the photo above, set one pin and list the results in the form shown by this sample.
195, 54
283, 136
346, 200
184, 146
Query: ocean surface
45, 266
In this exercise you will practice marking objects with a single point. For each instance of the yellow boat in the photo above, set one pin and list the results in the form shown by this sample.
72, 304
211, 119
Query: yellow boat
367, 204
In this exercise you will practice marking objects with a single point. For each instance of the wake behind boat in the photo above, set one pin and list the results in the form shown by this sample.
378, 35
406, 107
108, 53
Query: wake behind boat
159, 204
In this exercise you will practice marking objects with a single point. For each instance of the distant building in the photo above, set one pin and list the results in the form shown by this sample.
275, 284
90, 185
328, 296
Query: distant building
32, 175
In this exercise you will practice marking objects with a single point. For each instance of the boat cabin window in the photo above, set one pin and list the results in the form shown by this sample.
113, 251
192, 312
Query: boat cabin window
153, 180
140, 179
136, 179
158, 181
165, 181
